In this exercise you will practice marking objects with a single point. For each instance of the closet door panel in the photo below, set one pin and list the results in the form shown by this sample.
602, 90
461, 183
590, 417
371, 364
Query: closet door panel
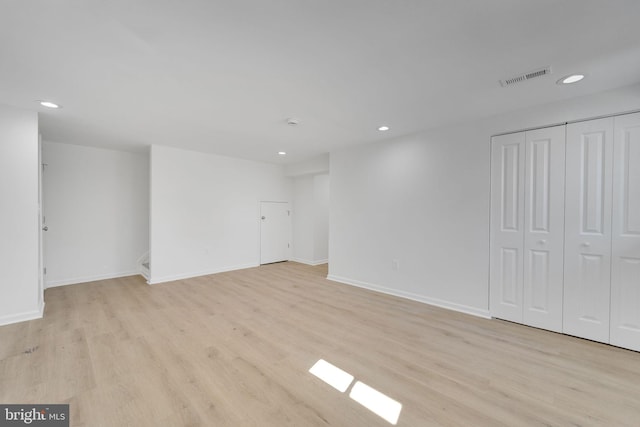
587, 274
625, 268
544, 228
507, 225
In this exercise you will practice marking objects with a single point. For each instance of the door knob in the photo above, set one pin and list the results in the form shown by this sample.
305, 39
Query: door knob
45, 228
264, 217
542, 242
586, 244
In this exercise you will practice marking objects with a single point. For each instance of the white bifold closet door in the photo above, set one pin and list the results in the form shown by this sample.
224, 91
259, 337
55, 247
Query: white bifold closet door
587, 269
544, 228
625, 260
527, 220
507, 226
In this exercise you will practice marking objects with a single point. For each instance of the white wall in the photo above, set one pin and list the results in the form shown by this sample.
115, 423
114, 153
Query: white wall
423, 201
20, 297
311, 219
303, 219
313, 166
205, 211
96, 204
321, 218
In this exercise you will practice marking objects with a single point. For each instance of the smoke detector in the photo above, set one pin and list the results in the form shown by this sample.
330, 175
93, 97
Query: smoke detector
526, 76
292, 121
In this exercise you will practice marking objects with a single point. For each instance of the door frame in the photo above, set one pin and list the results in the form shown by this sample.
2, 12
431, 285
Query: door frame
41, 225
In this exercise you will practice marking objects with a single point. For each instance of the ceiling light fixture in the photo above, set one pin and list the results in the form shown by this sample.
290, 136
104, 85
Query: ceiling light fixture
573, 78
383, 128
49, 104
282, 153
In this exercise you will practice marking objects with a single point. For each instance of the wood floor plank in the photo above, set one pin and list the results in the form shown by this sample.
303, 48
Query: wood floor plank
234, 349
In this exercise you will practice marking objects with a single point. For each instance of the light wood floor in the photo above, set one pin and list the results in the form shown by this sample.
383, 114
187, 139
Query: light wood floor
235, 349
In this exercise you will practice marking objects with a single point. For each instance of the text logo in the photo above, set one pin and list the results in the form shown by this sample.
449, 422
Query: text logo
34, 415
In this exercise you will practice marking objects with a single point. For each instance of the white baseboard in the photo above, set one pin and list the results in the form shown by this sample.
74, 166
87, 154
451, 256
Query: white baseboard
171, 278
76, 280
306, 261
144, 273
22, 317
414, 297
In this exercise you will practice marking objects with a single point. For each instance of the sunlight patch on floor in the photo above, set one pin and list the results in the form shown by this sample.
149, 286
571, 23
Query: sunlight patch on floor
378, 403
375, 401
332, 375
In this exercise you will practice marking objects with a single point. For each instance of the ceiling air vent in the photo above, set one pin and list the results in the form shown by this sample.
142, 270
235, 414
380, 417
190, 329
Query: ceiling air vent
527, 76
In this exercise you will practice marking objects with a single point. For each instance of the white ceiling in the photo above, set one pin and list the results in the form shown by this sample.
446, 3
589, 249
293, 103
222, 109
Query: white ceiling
223, 76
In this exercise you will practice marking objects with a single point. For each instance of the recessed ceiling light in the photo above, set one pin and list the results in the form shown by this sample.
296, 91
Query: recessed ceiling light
573, 78
383, 128
282, 153
49, 104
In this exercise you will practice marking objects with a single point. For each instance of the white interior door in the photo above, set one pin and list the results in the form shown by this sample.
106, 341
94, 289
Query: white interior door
507, 226
275, 232
625, 261
589, 162
544, 228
